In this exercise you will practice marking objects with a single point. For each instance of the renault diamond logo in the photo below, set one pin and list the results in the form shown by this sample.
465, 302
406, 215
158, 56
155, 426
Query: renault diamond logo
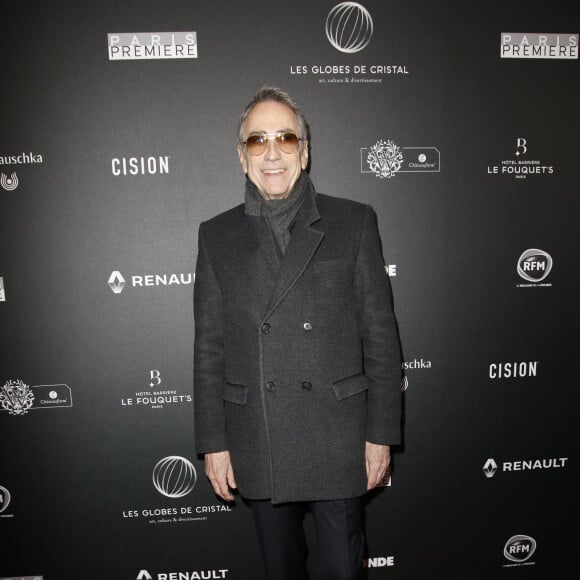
117, 282
349, 27
490, 468
144, 575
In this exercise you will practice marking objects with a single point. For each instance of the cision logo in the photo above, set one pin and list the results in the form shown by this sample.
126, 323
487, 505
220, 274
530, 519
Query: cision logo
518, 550
520, 167
150, 165
17, 398
491, 467
513, 370
385, 159
159, 396
117, 281
539, 45
534, 266
152, 45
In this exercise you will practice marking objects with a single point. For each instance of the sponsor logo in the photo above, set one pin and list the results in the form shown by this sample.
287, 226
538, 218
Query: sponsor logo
519, 549
513, 370
521, 167
379, 562
18, 398
151, 165
23, 578
349, 27
9, 182
214, 574
21, 159
534, 266
152, 45
5, 498
174, 476
385, 158
391, 270
490, 467
2, 292
539, 45
412, 365
117, 281
157, 398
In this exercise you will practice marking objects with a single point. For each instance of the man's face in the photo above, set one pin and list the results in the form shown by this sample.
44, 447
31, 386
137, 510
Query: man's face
273, 172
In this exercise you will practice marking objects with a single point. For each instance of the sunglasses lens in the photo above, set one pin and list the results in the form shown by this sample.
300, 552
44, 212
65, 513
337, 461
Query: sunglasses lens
286, 142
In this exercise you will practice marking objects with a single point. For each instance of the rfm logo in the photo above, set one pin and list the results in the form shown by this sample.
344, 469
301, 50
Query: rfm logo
519, 548
534, 265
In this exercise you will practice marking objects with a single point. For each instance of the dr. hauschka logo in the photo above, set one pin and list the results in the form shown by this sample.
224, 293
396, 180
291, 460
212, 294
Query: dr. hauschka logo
412, 365
174, 476
519, 549
490, 467
534, 266
385, 158
9, 182
18, 398
539, 45
117, 281
152, 45
2, 292
521, 167
159, 397
4, 501
349, 27
150, 165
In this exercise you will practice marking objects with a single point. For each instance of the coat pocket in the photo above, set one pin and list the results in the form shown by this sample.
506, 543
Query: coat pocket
349, 386
235, 393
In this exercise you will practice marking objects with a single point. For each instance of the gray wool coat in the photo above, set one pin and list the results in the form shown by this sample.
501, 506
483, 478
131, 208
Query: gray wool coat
297, 361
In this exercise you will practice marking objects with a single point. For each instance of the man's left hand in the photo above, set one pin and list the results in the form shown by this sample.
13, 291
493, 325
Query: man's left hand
378, 458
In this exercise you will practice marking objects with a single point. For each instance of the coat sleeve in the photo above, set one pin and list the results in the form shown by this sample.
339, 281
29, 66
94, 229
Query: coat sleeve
208, 363
380, 340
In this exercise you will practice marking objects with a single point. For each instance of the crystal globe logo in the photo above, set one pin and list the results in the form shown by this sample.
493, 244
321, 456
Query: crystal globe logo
349, 27
174, 476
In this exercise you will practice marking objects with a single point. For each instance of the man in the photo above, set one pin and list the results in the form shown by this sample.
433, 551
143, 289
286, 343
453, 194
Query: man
297, 360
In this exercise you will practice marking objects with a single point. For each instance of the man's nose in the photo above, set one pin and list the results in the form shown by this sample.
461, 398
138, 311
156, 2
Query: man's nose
272, 150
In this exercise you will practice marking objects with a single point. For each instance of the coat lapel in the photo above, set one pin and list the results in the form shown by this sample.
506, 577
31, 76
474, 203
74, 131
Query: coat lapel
304, 242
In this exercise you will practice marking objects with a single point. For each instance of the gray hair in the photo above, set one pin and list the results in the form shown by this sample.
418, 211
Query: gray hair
279, 96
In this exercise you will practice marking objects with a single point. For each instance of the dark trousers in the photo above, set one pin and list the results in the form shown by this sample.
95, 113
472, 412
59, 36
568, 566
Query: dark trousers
339, 537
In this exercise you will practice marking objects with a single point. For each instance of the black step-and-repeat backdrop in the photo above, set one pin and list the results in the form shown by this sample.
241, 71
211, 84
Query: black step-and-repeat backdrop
457, 122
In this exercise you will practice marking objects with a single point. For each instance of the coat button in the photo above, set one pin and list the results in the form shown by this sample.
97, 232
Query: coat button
306, 385
307, 326
266, 328
270, 386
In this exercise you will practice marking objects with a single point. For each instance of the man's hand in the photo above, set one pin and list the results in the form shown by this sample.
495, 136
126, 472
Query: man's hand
378, 458
218, 469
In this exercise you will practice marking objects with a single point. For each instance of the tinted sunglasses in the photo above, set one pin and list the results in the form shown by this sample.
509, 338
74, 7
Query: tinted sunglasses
286, 141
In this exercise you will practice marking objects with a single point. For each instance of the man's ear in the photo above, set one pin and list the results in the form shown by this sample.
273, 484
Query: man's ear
304, 155
242, 157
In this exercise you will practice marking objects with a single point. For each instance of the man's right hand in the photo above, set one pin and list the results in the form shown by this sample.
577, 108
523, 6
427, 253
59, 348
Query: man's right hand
218, 469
